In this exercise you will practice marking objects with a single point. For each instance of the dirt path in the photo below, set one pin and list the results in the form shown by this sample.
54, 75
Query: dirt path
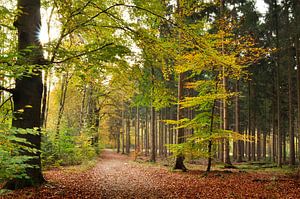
116, 176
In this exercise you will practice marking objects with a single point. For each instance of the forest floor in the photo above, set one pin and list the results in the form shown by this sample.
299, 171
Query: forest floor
118, 176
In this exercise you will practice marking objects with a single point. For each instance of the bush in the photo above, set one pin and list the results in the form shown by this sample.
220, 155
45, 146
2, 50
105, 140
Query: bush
12, 163
67, 148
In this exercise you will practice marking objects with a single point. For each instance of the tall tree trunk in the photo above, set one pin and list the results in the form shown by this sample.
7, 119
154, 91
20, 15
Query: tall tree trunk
48, 99
44, 99
226, 127
258, 144
160, 133
277, 62
237, 121
123, 128
253, 134
297, 43
210, 143
166, 133
290, 116
153, 135
138, 128
28, 91
146, 133
118, 141
142, 136
264, 144
179, 164
225, 105
274, 138
221, 142
128, 135
64, 88
152, 121
82, 108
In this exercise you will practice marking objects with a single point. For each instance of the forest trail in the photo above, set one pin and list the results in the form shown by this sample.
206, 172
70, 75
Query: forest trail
117, 176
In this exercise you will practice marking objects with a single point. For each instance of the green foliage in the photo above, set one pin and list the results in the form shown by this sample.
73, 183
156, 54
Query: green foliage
12, 162
67, 148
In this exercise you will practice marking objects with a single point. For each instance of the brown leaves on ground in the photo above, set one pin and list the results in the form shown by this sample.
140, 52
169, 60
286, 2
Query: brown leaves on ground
116, 176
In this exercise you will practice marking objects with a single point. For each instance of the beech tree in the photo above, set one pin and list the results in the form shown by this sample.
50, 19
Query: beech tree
28, 90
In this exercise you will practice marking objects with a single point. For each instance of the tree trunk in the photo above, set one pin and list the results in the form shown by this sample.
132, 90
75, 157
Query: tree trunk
253, 134
166, 134
249, 120
297, 43
297, 46
123, 128
152, 121
237, 121
258, 144
226, 127
128, 135
64, 88
82, 108
146, 133
264, 144
48, 99
277, 65
210, 144
138, 128
44, 99
153, 135
118, 142
221, 142
179, 163
28, 91
291, 131
160, 133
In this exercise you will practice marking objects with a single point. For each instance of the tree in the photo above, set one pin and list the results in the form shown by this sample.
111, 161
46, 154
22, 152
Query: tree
27, 93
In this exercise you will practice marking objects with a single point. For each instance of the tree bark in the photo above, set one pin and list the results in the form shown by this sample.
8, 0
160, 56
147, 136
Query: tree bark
290, 116
118, 142
237, 121
153, 135
210, 143
226, 127
64, 88
249, 121
28, 90
179, 162
152, 122
44, 99
146, 133
277, 65
123, 128
128, 135
297, 43
258, 144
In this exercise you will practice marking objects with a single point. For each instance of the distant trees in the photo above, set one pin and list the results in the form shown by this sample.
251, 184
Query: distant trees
251, 42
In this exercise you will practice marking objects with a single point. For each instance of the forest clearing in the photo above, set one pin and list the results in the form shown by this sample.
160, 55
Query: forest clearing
197, 98
118, 176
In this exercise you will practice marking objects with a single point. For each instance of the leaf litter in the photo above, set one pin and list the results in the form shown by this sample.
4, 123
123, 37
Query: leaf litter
117, 176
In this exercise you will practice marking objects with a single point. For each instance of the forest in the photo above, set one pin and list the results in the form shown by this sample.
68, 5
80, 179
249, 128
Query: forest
149, 99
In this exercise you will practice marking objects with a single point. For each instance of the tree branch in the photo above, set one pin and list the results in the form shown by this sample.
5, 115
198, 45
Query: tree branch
8, 99
82, 54
7, 89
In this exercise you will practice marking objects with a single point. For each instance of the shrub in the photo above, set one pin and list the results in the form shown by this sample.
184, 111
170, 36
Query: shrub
12, 163
67, 148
